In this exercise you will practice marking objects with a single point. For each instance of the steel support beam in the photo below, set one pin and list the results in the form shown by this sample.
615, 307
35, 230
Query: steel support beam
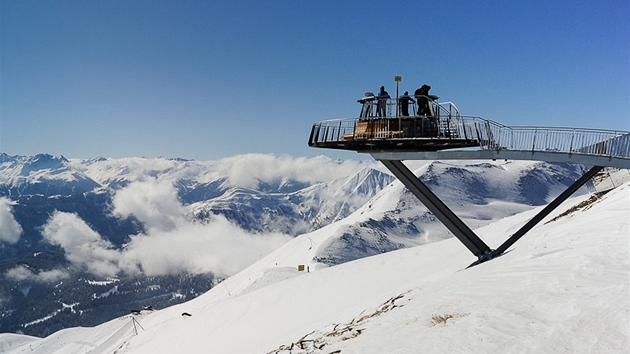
439, 209
548, 209
458, 227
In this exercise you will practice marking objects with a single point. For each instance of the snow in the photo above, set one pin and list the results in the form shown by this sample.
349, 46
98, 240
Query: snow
562, 288
610, 178
43, 319
478, 192
12, 341
113, 290
102, 282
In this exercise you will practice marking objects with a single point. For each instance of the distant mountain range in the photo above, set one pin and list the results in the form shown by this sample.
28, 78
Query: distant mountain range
74, 213
37, 187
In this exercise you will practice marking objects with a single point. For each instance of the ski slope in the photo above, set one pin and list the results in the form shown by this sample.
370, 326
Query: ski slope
563, 288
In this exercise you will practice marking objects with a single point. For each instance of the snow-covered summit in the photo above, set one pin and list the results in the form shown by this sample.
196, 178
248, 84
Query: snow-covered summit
42, 174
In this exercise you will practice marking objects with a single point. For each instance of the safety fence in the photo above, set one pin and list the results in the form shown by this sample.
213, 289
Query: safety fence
487, 134
563, 140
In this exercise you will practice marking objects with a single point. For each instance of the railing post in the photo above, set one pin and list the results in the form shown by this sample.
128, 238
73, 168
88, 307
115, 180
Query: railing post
534, 140
610, 146
448, 126
339, 130
497, 143
490, 136
480, 135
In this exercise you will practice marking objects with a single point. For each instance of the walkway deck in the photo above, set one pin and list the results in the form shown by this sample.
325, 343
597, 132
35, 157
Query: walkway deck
461, 138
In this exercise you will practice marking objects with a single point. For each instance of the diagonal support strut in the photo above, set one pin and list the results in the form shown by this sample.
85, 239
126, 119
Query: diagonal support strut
548, 209
439, 209
458, 227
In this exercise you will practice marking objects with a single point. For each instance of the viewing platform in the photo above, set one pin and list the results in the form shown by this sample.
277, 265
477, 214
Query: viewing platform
393, 130
447, 135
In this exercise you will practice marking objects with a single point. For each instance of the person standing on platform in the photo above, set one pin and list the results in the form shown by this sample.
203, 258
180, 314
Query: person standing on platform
404, 103
381, 106
422, 95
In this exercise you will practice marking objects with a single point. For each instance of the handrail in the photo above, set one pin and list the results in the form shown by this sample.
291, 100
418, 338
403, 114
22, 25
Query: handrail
612, 143
371, 102
442, 106
489, 134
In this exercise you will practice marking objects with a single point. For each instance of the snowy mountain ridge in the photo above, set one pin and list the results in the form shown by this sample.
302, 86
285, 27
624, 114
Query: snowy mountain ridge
479, 193
161, 218
563, 288
63, 220
203, 185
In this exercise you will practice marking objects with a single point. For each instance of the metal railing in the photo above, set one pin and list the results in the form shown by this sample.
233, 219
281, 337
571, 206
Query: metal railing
564, 140
488, 134
370, 106
332, 130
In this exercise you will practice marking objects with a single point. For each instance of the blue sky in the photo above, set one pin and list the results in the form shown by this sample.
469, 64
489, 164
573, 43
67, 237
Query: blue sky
207, 79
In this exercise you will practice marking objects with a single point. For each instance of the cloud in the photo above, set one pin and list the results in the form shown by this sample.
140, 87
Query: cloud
21, 273
172, 244
219, 247
83, 246
10, 229
248, 169
152, 202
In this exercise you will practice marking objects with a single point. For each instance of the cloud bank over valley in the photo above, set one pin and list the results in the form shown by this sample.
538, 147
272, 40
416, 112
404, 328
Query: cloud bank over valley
172, 240
171, 244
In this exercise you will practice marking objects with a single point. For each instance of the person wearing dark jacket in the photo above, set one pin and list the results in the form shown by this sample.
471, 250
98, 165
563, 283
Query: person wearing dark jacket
422, 95
404, 103
425, 108
382, 98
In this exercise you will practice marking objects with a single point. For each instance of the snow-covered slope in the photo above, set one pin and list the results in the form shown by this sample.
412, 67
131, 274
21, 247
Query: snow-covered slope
478, 192
83, 214
563, 288
163, 217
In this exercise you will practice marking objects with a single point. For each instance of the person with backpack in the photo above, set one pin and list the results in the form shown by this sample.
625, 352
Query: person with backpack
422, 95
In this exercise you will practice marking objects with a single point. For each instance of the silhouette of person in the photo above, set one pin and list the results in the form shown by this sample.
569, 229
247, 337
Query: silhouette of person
404, 103
382, 97
422, 95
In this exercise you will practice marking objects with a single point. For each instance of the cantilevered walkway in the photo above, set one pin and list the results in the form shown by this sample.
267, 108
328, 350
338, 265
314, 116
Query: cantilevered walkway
445, 135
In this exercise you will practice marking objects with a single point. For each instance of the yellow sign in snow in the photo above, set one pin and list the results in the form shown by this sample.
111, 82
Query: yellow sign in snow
398, 78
